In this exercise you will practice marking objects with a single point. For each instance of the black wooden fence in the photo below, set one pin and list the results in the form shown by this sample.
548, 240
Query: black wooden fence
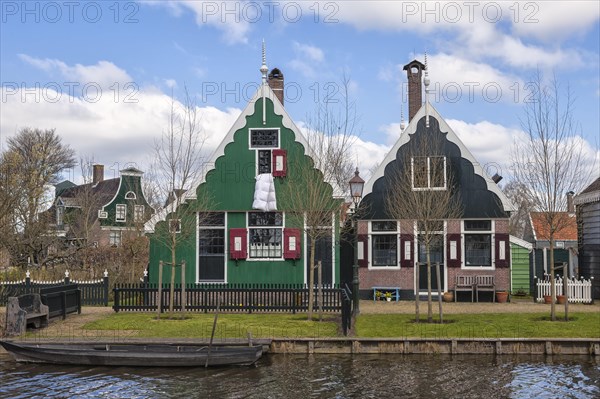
248, 298
94, 292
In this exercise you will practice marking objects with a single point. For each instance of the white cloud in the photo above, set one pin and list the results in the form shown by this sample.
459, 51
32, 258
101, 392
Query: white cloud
104, 73
171, 83
307, 59
113, 132
230, 17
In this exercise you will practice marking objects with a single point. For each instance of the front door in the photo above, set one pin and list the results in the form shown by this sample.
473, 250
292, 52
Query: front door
436, 254
211, 255
323, 253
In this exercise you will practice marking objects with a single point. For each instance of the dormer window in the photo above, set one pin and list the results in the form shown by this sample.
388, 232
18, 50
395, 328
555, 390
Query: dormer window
130, 195
428, 173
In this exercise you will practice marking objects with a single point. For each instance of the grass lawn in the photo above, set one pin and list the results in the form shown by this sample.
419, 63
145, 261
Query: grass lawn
228, 326
497, 325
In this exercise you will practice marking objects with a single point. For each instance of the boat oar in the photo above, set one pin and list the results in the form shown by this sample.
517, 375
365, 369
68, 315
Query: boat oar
212, 335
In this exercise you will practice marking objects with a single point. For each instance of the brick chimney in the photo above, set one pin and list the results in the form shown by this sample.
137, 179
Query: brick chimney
570, 202
276, 83
98, 174
414, 71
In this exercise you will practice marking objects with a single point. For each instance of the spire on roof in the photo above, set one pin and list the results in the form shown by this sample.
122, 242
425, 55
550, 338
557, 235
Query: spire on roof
402, 125
426, 82
264, 69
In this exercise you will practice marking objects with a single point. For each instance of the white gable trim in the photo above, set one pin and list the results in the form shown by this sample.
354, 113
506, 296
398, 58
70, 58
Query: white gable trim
220, 151
453, 138
522, 243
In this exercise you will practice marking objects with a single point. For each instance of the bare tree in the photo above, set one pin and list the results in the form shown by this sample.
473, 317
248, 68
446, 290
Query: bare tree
422, 189
314, 189
37, 157
549, 160
178, 156
519, 220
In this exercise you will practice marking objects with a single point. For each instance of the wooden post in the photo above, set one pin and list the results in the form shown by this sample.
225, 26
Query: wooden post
160, 275
417, 269
566, 289
439, 289
183, 289
320, 292
212, 335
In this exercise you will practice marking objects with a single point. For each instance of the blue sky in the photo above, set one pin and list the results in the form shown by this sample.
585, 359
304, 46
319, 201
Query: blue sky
130, 56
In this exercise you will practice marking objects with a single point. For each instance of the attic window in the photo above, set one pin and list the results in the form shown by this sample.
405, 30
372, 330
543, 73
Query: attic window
264, 138
130, 195
428, 173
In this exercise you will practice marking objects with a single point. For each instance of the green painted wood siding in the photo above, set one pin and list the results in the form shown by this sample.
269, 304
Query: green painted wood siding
128, 183
229, 188
520, 268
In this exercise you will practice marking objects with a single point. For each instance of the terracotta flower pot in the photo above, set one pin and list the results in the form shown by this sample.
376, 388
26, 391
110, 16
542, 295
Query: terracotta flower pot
561, 299
448, 296
547, 299
501, 296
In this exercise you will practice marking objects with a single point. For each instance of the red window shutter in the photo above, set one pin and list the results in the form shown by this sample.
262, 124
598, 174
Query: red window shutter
406, 250
502, 245
363, 246
279, 163
238, 244
291, 242
453, 250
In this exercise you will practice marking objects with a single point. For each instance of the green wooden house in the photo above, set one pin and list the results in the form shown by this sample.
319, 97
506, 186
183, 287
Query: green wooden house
520, 252
241, 219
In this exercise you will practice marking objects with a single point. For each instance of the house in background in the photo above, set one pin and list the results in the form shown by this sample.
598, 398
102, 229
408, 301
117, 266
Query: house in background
242, 226
588, 234
101, 211
476, 243
565, 249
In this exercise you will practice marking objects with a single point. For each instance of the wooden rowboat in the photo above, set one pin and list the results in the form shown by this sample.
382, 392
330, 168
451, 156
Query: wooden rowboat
133, 354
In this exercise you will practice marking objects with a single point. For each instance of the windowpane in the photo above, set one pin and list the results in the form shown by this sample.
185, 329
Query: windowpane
265, 219
211, 242
436, 172
385, 250
121, 211
420, 179
138, 213
436, 249
266, 243
211, 218
264, 161
478, 249
387, 225
264, 138
478, 225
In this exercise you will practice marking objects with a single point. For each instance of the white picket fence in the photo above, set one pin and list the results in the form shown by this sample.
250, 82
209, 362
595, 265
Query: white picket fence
579, 290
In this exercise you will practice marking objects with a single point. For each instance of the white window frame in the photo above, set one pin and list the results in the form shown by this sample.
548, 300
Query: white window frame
249, 243
269, 149
178, 225
130, 195
138, 213
464, 232
429, 187
372, 234
225, 260
121, 208
115, 238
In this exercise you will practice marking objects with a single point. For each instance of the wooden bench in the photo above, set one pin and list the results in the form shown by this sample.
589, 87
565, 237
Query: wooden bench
25, 310
485, 283
464, 284
395, 291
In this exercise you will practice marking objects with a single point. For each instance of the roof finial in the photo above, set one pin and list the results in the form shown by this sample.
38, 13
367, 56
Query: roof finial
426, 81
402, 125
264, 69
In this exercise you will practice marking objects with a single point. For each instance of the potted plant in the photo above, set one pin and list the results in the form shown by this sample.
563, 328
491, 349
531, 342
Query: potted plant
388, 296
561, 299
378, 295
547, 299
448, 296
501, 296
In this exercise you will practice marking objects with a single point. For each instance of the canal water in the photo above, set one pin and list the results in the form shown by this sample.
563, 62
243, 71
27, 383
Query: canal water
318, 376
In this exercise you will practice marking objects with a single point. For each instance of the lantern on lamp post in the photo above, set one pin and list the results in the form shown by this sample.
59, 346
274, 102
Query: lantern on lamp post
356, 190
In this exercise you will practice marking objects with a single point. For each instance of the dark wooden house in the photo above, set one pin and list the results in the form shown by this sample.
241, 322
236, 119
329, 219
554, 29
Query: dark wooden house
588, 234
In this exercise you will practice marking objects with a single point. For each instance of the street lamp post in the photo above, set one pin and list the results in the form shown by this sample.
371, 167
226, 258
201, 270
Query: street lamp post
356, 190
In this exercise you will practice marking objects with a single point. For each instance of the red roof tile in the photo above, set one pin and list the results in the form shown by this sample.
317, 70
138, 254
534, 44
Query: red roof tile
567, 222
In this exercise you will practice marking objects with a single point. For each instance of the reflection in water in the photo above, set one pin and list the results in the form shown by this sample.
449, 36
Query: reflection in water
318, 376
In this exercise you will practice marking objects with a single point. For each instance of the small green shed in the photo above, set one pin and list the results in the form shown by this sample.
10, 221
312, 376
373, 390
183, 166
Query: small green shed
520, 265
